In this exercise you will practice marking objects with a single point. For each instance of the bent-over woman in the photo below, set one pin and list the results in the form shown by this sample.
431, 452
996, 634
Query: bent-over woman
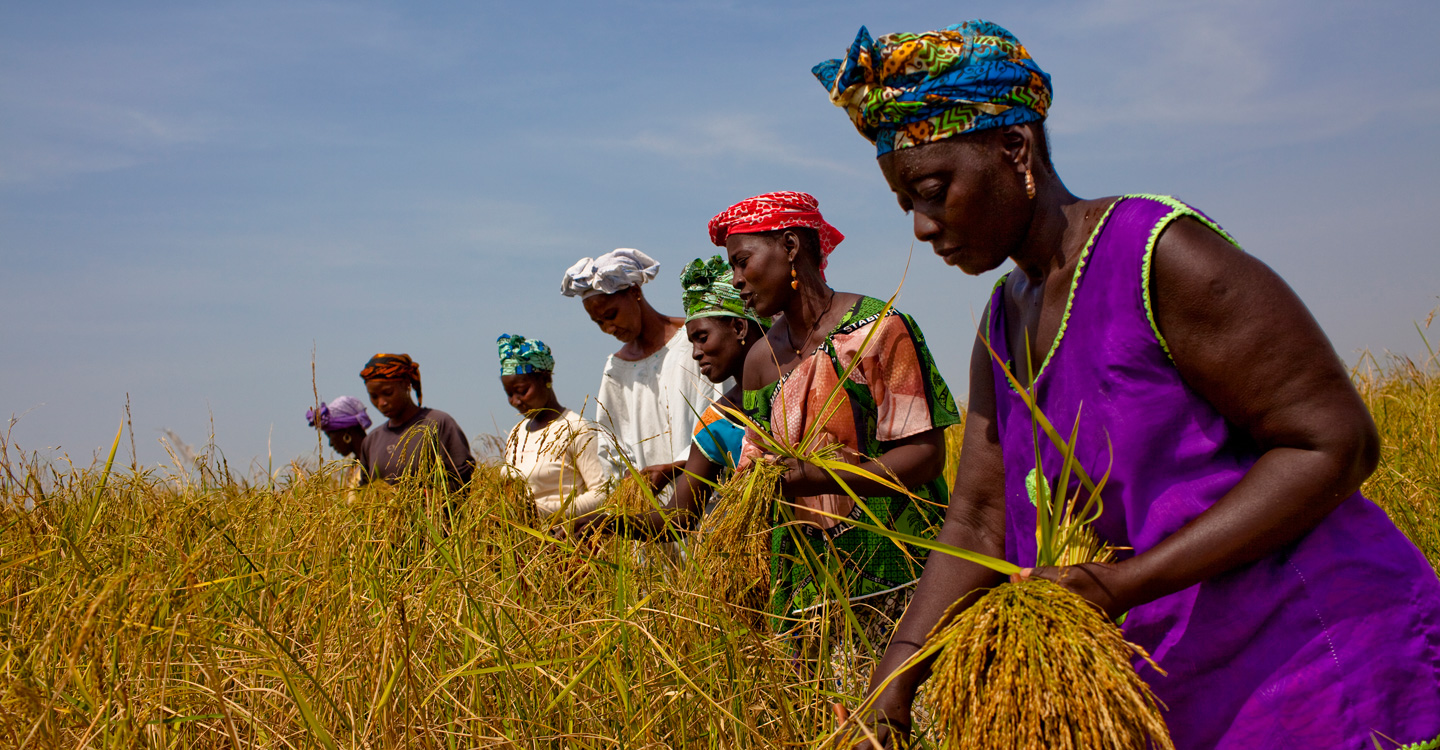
722, 331
1285, 609
651, 389
344, 422
394, 448
551, 447
889, 414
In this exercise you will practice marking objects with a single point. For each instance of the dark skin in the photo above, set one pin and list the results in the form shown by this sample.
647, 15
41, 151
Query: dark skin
533, 395
346, 442
392, 398
1239, 336
720, 345
761, 264
642, 330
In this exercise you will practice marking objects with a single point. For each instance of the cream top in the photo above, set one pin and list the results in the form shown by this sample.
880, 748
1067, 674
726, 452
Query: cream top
561, 464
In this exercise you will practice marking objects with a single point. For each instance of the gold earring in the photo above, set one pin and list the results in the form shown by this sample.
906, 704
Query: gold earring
794, 281
742, 340
1029, 184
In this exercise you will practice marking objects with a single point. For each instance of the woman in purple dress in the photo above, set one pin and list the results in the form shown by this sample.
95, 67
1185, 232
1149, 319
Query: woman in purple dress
1285, 608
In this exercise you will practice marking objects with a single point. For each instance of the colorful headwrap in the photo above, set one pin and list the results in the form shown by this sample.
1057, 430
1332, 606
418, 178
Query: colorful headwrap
775, 211
341, 414
521, 356
618, 269
394, 367
709, 292
905, 90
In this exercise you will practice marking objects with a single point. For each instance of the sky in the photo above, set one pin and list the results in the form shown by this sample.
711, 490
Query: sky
200, 200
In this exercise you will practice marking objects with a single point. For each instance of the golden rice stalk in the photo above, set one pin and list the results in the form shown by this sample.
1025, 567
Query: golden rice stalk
628, 497
1032, 666
733, 551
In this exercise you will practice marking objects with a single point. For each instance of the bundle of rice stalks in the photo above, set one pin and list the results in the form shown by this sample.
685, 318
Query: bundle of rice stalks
628, 496
733, 552
1032, 665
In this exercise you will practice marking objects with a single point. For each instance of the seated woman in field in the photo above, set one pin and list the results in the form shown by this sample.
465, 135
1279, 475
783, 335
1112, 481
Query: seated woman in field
651, 389
394, 448
552, 447
888, 414
1284, 607
344, 422
722, 331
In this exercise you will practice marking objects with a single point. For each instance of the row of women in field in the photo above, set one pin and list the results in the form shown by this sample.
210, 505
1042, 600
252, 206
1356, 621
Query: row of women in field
1283, 607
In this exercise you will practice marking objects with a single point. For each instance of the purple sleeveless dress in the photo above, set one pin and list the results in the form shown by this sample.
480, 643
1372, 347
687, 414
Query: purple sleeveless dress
1319, 645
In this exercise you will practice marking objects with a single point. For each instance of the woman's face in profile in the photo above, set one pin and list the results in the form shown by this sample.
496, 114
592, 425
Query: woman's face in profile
761, 272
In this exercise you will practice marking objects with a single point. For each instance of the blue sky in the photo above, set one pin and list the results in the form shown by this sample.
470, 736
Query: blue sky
195, 196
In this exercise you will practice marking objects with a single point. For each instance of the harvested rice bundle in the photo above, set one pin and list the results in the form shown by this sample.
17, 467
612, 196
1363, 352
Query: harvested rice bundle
733, 552
1032, 665
629, 496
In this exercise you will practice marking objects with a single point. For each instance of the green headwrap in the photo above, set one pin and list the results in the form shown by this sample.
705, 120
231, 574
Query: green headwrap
708, 292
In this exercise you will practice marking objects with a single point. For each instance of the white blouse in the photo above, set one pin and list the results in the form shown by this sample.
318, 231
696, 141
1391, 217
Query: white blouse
648, 408
560, 462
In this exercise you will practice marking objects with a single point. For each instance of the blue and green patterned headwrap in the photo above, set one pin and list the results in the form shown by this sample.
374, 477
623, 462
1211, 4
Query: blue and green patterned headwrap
521, 356
708, 292
904, 90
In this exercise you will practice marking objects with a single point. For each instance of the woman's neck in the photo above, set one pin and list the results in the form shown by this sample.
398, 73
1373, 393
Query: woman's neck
655, 332
546, 414
1055, 233
807, 309
410, 411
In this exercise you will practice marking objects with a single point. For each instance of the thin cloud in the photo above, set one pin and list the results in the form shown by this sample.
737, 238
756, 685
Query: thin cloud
726, 137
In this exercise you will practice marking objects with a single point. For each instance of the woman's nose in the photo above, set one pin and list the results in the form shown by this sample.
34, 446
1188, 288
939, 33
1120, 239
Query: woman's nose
926, 228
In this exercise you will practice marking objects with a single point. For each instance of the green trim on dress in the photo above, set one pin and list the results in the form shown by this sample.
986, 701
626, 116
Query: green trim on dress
1179, 210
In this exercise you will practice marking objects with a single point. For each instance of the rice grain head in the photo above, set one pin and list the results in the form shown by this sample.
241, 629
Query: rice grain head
1032, 666
628, 497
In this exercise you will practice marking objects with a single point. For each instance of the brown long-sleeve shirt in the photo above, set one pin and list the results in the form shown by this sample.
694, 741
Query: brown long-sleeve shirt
390, 450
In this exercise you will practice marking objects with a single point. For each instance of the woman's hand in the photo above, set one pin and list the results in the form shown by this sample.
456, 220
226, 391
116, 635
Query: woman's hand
1105, 585
890, 728
802, 479
659, 475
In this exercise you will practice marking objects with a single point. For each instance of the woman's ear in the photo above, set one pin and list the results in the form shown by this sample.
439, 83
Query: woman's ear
741, 327
790, 241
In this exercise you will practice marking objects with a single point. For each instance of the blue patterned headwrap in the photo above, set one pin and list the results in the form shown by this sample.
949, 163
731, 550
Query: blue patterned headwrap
521, 356
904, 90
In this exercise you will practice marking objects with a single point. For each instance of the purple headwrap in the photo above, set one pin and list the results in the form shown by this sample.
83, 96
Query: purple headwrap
341, 414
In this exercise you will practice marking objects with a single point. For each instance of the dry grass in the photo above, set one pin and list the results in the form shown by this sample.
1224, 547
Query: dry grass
198, 609
167, 611
1404, 397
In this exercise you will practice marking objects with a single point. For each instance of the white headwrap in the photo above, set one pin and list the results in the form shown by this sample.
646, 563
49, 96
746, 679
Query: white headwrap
616, 270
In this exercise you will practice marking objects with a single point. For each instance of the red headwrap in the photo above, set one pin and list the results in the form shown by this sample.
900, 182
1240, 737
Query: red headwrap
774, 211
394, 367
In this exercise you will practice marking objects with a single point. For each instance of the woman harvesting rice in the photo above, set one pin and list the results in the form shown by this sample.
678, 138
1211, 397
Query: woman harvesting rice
888, 416
344, 422
551, 447
393, 449
651, 390
722, 331
1285, 608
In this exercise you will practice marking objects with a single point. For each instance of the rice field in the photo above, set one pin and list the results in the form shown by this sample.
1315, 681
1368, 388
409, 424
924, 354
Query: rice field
196, 608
